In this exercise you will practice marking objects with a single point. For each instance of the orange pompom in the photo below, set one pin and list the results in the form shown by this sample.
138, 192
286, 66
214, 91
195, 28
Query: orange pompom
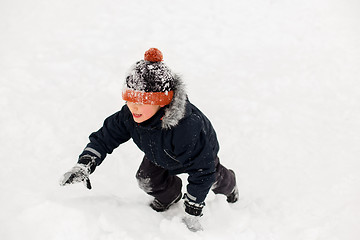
153, 55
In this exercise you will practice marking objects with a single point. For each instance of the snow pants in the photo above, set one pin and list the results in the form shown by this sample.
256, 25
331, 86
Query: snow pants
157, 181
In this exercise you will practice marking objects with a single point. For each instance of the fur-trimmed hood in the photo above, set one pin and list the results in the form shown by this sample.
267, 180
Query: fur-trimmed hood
175, 111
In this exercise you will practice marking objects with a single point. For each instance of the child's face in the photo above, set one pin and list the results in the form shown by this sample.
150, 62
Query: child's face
142, 112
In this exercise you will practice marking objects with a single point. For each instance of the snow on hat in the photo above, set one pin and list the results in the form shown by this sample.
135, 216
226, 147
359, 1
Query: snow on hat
149, 81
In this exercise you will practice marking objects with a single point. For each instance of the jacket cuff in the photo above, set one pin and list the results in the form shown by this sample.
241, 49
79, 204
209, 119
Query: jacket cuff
92, 152
196, 196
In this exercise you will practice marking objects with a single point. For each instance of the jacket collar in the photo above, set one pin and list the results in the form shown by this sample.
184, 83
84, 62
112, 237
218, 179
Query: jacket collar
154, 121
176, 110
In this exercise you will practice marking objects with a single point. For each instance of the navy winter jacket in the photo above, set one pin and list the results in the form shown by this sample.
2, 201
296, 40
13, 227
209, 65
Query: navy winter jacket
188, 144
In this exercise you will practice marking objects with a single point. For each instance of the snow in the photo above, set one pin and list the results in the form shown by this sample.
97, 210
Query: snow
278, 79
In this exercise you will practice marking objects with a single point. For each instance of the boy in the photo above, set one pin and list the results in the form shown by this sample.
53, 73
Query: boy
174, 136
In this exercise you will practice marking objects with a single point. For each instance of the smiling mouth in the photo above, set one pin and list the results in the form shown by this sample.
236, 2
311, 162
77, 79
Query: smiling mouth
136, 115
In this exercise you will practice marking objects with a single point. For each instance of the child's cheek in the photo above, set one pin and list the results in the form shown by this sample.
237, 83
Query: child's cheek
146, 113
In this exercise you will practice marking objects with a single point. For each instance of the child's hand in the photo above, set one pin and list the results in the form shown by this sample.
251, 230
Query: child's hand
193, 213
79, 173
192, 222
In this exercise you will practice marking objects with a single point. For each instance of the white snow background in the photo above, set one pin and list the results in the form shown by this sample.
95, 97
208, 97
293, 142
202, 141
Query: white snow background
278, 79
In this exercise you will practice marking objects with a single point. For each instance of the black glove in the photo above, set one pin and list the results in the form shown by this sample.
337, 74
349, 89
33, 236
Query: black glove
193, 212
80, 172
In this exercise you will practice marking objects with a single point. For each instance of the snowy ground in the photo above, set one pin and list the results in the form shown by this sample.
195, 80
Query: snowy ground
279, 79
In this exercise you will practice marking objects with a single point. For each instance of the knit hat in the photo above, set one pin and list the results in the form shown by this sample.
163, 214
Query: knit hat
149, 81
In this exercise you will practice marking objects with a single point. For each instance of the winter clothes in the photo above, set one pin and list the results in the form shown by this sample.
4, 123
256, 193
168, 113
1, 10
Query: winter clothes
150, 81
165, 188
179, 138
190, 146
158, 182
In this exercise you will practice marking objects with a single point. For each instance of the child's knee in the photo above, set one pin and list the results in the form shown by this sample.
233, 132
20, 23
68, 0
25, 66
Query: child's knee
144, 182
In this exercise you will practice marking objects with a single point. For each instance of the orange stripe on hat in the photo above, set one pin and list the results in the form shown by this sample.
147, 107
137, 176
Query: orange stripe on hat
152, 98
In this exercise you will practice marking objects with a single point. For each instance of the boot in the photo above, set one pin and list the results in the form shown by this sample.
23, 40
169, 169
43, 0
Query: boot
233, 196
161, 207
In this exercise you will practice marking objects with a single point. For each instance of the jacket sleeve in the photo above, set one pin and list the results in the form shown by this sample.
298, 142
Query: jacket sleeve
113, 133
197, 153
203, 175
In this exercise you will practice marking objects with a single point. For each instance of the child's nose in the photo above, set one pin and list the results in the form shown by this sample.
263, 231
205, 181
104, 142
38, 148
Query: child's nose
134, 106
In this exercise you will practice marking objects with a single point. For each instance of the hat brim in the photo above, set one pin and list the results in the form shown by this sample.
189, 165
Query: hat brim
152, 98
